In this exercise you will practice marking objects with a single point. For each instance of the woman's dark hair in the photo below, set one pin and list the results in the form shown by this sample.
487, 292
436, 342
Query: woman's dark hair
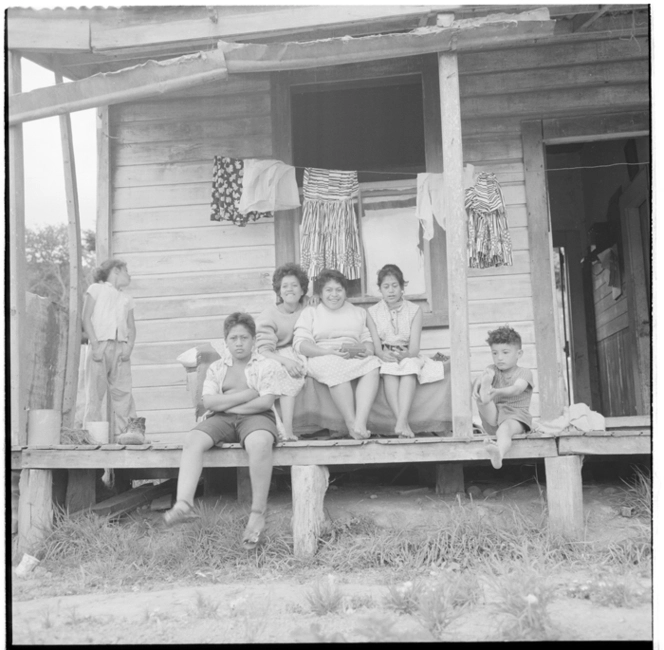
504, 335
284, 271
240, 318
102, 272
394, 271
330, 274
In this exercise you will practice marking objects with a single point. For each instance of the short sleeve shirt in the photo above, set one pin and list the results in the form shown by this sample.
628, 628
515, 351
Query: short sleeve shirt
505, 379
110, 316
260, 373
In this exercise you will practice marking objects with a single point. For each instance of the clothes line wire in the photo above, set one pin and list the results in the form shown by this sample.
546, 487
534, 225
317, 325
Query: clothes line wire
560, 169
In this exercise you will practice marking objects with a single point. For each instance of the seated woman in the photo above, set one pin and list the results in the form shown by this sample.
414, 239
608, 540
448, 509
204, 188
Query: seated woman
239, 392
274, 338
335, 339
396, 326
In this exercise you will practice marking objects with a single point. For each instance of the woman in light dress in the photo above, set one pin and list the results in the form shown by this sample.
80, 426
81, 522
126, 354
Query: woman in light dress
274, 339
338, 345
396, 327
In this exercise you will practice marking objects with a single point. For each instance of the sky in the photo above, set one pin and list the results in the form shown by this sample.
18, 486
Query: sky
45, 201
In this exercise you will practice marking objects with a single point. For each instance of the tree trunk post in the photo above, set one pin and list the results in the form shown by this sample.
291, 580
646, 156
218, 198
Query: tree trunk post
309, 484
35, 509
564, 495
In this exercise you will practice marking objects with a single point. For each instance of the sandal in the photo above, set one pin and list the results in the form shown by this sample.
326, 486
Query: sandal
182, 512
251, 539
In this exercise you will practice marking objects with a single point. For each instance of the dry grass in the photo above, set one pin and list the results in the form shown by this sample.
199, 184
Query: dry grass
325, 597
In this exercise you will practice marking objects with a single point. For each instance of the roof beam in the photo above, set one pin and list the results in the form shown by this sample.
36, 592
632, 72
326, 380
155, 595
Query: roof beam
142, 81
587, 22
47, 33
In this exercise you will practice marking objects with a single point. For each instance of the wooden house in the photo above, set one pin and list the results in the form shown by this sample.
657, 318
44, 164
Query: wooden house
553, 99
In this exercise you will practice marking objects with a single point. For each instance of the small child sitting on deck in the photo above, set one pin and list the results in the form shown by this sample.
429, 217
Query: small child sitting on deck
503, 393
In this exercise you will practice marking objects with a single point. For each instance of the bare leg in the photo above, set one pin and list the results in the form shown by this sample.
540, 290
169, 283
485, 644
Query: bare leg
344, 400
391, 383
407, 385
287, 411
191, 464
258, 445
485, 385
365, 394
504, 434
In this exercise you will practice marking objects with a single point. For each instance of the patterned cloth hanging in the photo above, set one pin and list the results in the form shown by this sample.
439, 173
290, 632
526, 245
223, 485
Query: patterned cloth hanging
329, 235
489, 242
227, 191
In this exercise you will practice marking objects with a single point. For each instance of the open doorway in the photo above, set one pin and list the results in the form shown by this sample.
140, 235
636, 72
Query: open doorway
600, 219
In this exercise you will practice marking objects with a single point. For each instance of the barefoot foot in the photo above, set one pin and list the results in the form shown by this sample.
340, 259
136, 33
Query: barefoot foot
360, 434
404, 431
494, 454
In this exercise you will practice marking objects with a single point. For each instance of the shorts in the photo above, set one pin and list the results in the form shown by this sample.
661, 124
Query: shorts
506, 412
231, 427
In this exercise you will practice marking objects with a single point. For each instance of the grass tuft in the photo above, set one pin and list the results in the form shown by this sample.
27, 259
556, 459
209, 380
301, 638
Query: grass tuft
325, 597
639, 493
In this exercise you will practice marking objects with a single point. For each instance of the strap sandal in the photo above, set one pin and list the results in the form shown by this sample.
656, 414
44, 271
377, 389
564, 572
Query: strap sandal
252, 538
181, 513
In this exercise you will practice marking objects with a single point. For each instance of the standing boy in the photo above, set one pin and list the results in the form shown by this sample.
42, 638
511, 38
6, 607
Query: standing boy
239, 391
503, 393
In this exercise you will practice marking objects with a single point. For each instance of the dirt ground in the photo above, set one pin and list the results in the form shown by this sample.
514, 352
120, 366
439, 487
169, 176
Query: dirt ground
274, 608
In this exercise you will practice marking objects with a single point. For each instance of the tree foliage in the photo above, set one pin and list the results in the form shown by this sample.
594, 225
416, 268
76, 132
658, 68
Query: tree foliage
47, 257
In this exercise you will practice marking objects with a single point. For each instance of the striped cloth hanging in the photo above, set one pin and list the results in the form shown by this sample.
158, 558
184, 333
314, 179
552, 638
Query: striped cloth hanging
489, 242
329, 235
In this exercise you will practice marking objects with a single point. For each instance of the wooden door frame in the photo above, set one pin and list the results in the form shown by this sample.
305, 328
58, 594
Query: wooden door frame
635, 283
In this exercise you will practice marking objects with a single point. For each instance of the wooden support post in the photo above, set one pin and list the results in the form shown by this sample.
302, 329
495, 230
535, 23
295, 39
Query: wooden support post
549, 367
35, 509
457, 236
81, 490
243, 486
309, 484
564, 495
17, 271
74, 231
449, 479
103, 235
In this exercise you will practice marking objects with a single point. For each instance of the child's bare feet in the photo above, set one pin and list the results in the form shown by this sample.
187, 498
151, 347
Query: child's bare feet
494, 454
404, 430
359, 434
485, 386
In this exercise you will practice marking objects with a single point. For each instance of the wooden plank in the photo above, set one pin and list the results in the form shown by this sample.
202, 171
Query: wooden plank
152, 196
75, 271
145, 80
456, 232
181, 329
54, 34
189, 108
274, 21
17, 267
235, 84
490, 311
175, 173
81, 490
214, 259
573, 129
130, 500
103, 241
257, 279
631, 421
582, 76
550, 373
521, 264
216, 235
487, 149
477, 334
542, 54
208, 305
615, 359
564, 496
35, 509
614, 326
484, 288
309, 484
162, 398
613, 309
371, 452
545, 103
159, 375
609, 446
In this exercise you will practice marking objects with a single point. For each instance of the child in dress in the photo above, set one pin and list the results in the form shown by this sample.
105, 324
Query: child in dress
396, 327
503, 393
108, 321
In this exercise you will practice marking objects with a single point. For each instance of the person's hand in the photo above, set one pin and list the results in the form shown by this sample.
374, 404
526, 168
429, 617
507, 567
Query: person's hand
294, 368
362, 353
126, 352
401, 355
476, 390
97, 351
387, 356
344, 354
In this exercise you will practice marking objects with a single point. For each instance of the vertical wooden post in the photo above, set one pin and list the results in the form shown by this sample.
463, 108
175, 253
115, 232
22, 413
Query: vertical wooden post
243, 486
74, 230
103, 234
17, 268
309, 484
549, 369
81, 490
564, 495
449, 479
35, 509
286, 222
457, 235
